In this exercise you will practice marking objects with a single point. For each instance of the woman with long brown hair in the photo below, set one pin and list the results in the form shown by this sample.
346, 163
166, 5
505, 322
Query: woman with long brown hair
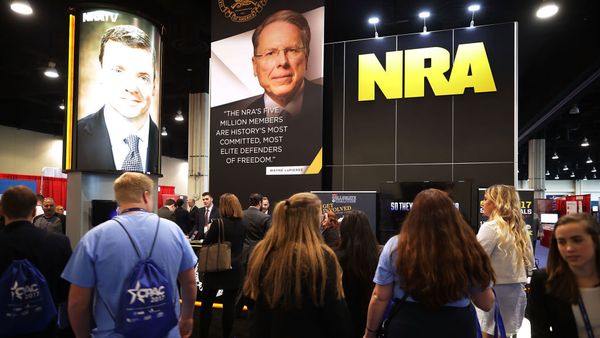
568, 291
294, 277
230, 281
433, 270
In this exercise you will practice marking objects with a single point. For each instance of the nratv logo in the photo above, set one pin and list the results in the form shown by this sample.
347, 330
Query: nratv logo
155, 294
24, 292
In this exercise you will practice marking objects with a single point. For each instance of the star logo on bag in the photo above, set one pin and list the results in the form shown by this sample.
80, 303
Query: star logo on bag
134, 293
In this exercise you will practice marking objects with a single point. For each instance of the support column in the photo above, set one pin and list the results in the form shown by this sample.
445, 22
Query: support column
82, 189
537, 167
198, 144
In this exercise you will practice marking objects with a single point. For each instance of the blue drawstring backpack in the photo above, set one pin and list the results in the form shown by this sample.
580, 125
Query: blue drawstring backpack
146, 306
26, 304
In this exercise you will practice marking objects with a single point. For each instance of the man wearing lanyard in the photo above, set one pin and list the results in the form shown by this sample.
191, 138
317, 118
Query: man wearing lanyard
105, 257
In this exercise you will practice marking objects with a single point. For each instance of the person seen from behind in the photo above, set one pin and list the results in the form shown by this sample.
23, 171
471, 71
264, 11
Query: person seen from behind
295, 278
433, 269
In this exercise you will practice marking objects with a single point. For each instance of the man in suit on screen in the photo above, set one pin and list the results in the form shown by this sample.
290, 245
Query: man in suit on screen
121, 135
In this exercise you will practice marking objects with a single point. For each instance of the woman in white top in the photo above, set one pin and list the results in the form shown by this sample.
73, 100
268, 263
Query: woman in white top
506, 240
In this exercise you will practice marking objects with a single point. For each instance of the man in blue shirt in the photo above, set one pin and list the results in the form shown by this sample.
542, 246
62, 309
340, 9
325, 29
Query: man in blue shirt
105, 257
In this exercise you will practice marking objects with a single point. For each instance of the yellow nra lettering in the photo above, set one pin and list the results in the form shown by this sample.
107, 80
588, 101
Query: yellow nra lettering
389, 79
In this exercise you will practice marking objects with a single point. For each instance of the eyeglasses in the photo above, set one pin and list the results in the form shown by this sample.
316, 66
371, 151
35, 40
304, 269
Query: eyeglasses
272, 54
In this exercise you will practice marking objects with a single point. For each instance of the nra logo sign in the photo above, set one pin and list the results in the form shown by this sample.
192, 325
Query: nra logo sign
405, 72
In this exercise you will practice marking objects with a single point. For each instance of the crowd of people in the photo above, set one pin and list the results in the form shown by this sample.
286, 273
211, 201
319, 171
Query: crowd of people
302, 272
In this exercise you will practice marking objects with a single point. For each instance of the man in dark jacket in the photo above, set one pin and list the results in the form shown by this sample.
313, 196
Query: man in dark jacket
258, 224
46, 250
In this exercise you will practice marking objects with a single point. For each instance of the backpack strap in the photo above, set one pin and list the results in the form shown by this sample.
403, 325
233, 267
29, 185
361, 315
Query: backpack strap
137, 251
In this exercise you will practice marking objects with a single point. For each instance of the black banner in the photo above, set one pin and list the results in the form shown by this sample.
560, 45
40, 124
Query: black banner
266, 98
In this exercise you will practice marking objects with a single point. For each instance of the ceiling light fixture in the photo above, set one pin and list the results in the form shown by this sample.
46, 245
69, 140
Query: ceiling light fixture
585, 178
21, 6
574, 110
62, 105
473, 8
572, 174
51, 71
589, 160
164, 131
179, 116
547, 172
556, 177
585, 142
374, 21
593, 169
424, 15
594, 176
546, 10
565, 168
555, 156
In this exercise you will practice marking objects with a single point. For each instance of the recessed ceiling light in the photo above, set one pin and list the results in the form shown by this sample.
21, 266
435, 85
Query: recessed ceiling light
572, 174
547, 172
585, 142
574, 110
164, 131
589, 160
565, 168
547, 10
373, 20
555, 156
556, 177
51, 71
62, 106
21, 6
593, 169
179, 116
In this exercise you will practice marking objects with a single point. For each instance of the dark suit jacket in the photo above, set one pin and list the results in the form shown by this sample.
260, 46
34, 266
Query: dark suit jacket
214, 214
182, 218
193, 214
48, 251
545, 311
235, 232
258, 223
93, 145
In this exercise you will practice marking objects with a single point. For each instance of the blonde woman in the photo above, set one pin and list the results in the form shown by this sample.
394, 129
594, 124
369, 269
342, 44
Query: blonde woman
506, 240
295, 278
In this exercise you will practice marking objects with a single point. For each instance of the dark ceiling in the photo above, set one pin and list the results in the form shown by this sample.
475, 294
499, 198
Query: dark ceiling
559, 64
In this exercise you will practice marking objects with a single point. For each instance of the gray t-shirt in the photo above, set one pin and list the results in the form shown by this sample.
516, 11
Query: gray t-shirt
53, 224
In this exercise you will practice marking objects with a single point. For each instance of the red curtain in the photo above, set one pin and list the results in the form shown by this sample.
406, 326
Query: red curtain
52, 186
166, 190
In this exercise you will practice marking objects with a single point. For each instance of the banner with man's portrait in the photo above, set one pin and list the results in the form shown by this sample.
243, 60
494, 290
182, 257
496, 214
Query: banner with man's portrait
113, 110
266, 97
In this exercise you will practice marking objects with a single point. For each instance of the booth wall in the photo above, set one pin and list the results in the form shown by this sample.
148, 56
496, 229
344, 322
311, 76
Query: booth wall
27, 152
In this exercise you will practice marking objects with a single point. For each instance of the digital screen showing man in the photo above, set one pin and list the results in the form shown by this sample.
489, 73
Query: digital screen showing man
119, 133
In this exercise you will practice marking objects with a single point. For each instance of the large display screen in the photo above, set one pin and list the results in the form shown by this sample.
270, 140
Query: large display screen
396, 198
266, 97
114, 92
